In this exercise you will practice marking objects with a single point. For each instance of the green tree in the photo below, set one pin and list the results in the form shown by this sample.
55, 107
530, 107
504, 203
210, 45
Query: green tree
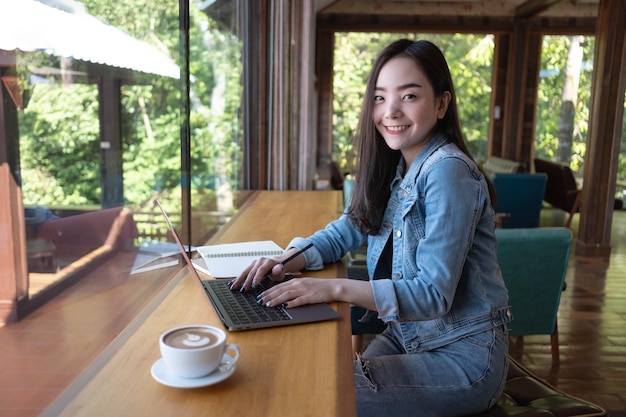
60, 165
549, 100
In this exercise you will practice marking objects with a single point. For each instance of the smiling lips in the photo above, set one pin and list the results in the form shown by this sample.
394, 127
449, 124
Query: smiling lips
395, 129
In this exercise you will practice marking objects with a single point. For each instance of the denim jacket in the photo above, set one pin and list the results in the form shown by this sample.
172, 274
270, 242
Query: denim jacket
445, 282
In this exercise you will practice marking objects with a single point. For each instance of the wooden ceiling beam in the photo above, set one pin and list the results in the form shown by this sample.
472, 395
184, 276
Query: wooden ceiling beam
447, 24
532, 8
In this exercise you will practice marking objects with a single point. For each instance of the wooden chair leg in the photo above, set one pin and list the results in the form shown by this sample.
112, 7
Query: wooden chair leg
554, 343
569, 219
574, 209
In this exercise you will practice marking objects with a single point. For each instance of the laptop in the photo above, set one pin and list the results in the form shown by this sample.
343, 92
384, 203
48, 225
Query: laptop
240, 311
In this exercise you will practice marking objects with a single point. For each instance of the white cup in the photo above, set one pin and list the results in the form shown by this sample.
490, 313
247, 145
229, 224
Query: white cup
194, 351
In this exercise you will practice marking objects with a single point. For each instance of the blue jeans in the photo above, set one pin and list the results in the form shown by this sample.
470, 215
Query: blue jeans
463, 378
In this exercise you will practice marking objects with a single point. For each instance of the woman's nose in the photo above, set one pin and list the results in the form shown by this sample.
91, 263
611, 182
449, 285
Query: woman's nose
392, 111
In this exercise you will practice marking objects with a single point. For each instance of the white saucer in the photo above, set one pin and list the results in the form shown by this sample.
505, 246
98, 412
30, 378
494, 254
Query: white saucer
161, 374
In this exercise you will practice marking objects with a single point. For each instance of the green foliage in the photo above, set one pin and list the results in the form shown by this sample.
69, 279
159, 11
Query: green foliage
60, 146
553, 61
59, 129
59, 143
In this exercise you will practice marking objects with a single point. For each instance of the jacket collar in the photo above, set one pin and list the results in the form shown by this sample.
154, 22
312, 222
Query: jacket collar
408, 179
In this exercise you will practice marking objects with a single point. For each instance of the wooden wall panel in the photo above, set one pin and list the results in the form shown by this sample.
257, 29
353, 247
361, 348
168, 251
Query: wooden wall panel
13, 263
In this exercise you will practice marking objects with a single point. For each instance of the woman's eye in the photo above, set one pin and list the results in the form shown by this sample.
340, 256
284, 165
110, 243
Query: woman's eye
378, 98
408, 97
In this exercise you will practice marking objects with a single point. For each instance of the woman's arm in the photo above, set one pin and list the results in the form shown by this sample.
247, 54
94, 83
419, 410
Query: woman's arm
301, 291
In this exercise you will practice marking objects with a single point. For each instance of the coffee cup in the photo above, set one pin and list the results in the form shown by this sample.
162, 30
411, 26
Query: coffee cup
194, 351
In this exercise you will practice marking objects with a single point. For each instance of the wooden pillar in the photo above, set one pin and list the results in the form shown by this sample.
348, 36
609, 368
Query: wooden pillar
325, 46
516, 80
13, 258
278, 87
303, 129
605, 126
256, 111
514, 98
498, 93
279, 79
111, 175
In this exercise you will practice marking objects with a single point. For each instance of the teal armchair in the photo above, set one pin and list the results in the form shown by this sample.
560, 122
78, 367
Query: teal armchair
520, 197
534, 263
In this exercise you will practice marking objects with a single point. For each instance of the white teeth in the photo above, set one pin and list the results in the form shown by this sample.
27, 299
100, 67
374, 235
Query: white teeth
396, 128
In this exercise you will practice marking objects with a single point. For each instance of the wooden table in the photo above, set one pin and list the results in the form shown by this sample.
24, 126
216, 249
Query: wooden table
301, 370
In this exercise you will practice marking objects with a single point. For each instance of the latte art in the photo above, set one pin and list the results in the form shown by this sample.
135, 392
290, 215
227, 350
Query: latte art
195, 340
190, 338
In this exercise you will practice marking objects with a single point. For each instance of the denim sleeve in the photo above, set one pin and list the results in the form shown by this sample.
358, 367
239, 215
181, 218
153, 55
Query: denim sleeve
329, 244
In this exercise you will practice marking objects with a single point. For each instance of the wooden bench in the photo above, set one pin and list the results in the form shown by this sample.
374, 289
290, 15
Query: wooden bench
528, 396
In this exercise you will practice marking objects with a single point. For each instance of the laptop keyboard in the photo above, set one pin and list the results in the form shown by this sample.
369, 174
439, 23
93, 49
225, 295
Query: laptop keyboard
243, 307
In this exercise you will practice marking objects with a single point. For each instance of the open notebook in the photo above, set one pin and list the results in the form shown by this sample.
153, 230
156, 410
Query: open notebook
239, 311
228, 260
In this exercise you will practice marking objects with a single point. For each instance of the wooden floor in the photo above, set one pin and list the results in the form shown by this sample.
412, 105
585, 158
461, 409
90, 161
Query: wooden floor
592, 326
43, 353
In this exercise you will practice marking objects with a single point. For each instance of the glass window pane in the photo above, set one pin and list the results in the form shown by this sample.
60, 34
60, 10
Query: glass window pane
215, 61
563, 99
99, 131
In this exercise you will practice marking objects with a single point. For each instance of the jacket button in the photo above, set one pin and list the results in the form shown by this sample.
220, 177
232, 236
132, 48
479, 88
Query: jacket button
398, 233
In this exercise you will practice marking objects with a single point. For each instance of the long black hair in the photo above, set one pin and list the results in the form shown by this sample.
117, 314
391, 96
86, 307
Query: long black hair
377, 162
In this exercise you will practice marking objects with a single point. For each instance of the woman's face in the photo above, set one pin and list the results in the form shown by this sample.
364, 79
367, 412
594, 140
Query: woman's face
405, 107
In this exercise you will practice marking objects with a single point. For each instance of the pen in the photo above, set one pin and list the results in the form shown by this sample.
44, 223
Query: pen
300, 252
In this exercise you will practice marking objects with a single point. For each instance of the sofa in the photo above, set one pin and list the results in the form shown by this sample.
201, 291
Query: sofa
562, 191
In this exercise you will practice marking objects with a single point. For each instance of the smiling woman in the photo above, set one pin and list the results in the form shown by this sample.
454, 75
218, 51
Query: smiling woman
406, 109
424, 208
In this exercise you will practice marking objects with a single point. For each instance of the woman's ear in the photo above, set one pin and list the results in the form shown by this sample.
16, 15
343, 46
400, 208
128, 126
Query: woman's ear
442, 105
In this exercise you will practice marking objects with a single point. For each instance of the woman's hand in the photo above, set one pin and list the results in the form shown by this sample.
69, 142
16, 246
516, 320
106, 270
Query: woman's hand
268, 267
301, 291
254, 274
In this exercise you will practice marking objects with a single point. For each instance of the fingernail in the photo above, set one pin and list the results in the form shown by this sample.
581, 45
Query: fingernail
268, 304
259, 302
284, 305
259, 297
230, 284
254, 285
242, 289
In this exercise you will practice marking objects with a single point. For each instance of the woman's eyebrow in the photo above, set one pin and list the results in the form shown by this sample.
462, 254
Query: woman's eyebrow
400, 87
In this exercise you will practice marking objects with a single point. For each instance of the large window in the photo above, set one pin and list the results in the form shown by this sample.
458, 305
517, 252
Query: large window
103, 117
564, 99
